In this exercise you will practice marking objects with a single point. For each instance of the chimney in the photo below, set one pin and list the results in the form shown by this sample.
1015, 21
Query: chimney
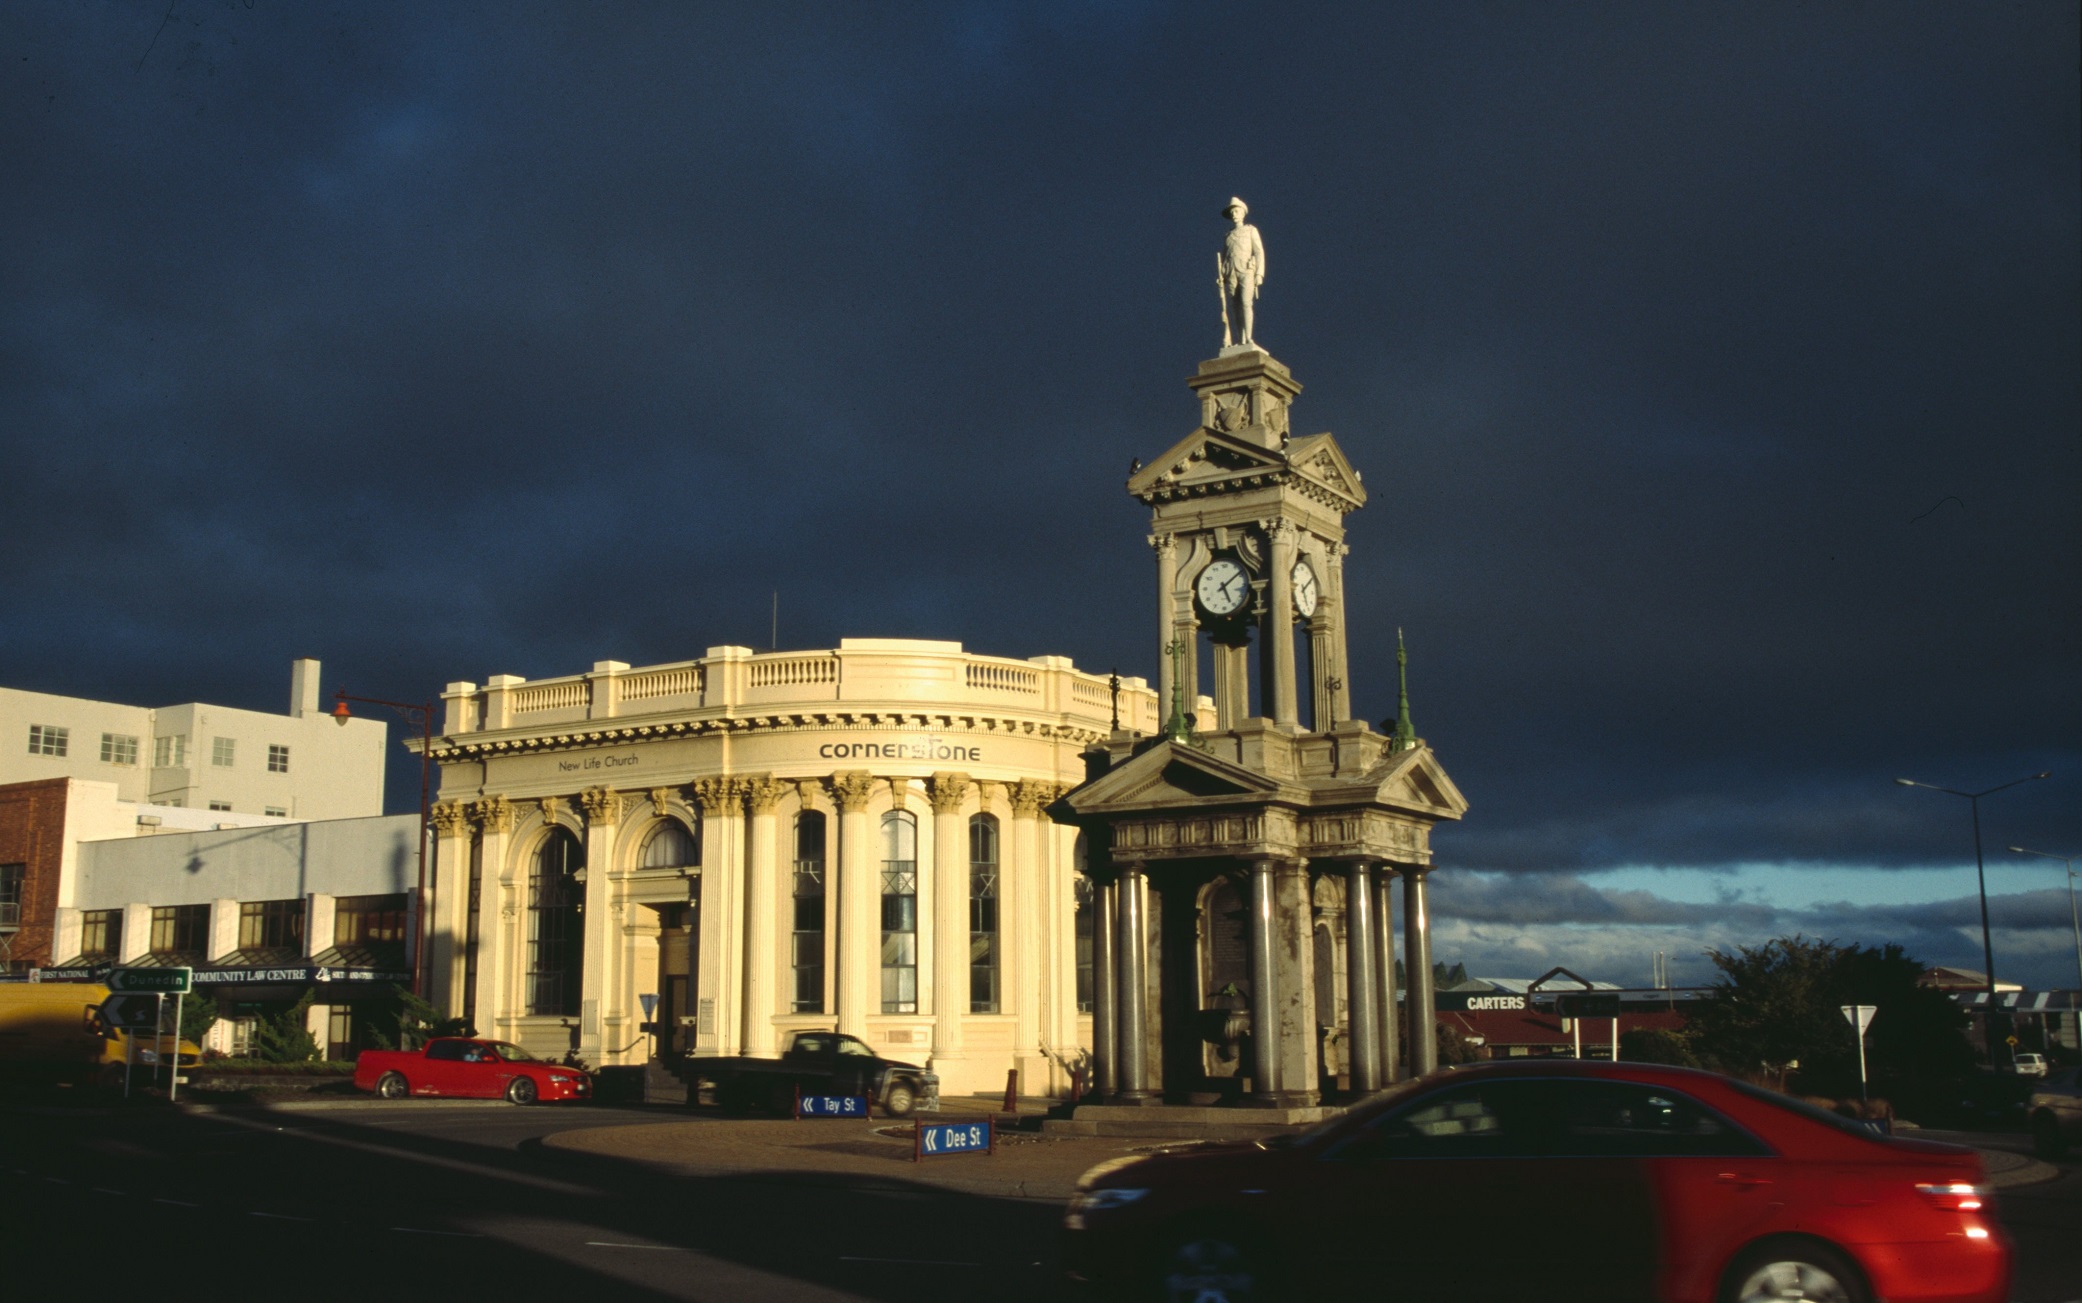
303, 687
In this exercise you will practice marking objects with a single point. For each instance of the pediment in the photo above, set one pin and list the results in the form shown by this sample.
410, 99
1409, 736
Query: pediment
1414, 780
1201, 458
1318, 458
1170, 774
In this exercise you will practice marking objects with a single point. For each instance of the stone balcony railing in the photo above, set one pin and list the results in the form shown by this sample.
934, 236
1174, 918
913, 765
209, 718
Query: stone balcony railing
884, 672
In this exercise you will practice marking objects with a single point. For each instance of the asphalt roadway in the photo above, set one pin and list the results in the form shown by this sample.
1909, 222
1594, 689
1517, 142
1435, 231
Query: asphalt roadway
440, 1199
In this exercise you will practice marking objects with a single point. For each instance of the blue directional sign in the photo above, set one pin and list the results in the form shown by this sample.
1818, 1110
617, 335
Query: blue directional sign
831, 1106
947, 1139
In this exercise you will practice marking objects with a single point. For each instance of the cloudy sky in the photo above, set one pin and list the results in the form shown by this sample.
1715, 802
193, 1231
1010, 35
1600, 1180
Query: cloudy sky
1714, 370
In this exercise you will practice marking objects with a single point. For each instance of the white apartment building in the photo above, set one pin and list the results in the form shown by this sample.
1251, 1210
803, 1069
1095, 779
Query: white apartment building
299, 765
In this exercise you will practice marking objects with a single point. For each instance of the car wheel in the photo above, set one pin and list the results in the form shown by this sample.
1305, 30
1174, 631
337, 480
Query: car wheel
2046, 1137
1211, 1265
1793, 1269
392, 1085
521, 1090
899, 1102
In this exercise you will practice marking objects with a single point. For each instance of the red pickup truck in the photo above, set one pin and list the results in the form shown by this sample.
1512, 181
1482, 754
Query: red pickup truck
468, 1069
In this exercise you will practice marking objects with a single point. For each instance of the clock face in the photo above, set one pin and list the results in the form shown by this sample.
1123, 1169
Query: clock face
1222, 587
1305, 591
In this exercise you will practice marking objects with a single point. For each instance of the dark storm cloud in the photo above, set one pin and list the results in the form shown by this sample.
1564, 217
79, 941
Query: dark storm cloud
1714, 371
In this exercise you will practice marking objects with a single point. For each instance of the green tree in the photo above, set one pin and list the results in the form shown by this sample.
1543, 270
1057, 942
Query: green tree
419, 1021
198, 1015
284, 1037
1658, 1045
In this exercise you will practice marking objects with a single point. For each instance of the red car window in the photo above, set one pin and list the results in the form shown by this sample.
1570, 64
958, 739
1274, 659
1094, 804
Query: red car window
446, 1051
1619, 1119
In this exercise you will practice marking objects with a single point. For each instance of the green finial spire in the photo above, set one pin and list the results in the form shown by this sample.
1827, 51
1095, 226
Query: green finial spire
1405, 735
1179, 727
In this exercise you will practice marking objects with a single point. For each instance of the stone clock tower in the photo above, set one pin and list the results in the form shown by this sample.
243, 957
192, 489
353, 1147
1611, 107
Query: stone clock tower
1242, 878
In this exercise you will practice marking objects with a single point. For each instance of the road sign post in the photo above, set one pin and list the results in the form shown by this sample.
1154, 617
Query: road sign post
1859, 1016
830, 1106
151, 981
948, 1139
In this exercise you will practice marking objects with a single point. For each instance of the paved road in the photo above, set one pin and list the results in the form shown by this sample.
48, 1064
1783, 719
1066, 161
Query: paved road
439, 1200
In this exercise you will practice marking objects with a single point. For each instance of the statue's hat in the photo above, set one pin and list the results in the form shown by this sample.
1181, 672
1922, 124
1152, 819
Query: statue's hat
1236, 203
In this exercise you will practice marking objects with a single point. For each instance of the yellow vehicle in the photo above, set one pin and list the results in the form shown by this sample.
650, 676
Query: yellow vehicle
52, 1032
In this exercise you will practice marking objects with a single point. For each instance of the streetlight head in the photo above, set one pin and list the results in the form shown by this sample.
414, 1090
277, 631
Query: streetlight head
2019, 850
1906, 782
341, 714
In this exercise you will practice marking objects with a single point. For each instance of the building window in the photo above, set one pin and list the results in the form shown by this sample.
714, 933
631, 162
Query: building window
49, 740
277, 759
118, 749
983, 913
180, 930
556, 936
369, 920
899, 912
1082, 932
170, 752
271, 925
276, 811
101, 933
223, 751
221, 807
670, 846
12, 877
806, 941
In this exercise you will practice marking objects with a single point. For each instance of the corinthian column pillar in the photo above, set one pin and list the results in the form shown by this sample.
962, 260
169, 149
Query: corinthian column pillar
1166, 548
1105, 991
1265, 1021
762, 914
1384, 975
720, 955
1132, 984
1334, 610
451, 916
1027, 927
860, 904
497, 951
1416, 952
1362, 1023
1280, 702
603, 810
950, 925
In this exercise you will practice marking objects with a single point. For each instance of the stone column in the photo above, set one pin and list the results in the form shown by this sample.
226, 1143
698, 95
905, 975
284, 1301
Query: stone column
1362, 1022
451, 892
1384, 974
719, 959
1265, 1020
859, 905
1281, 701
1416, 951
1166, 548
1334, 608
1322, 697
1294, 985
1105, 1043
497, 964
603, 810
1232, 691
1133, 983
1024, 925
950, 922
763, 795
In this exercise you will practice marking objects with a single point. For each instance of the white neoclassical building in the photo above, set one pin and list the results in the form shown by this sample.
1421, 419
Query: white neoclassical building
750, 844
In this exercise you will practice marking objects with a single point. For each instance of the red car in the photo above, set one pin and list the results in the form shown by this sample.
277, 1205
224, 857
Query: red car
469, 1069
1517, 1181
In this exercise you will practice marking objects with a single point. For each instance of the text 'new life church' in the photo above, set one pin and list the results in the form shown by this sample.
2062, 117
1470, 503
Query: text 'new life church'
987, 863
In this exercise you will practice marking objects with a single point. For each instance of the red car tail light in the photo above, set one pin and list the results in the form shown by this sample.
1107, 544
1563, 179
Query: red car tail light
1954, 1196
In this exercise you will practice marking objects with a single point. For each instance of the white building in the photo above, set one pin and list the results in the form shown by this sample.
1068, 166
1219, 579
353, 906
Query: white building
299, 765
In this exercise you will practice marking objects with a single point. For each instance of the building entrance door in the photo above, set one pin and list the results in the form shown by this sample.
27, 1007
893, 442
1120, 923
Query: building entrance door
678, 962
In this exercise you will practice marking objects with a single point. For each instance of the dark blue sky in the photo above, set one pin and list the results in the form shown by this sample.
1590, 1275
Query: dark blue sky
1714, 371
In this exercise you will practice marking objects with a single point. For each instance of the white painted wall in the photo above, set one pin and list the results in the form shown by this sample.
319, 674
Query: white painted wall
339, 857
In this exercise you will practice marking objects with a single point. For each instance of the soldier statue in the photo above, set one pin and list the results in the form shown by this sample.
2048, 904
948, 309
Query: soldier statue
1239, 271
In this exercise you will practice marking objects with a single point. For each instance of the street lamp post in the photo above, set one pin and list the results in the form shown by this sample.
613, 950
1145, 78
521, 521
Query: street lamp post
1981, 878
422, 716
2074, 919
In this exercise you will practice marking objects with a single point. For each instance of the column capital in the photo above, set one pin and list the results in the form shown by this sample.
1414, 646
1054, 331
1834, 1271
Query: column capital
948, 791
899, 790
718, 795
1030, 795
551, 807
851, 789
763, 792
601, 804
1163, 541
448, 817
809, 791
493, 814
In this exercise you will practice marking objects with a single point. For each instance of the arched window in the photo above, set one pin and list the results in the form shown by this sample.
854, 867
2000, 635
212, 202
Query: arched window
899, 912
1082, 927
670, 846
556, 926
806, 941
983, 913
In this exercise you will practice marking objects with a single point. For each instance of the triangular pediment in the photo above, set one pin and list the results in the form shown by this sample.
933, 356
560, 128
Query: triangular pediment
1170, 774
1414, 780
1204, 457
1318, 458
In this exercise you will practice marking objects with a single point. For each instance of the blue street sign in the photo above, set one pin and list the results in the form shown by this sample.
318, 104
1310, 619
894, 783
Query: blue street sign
945, 1139
831, 1106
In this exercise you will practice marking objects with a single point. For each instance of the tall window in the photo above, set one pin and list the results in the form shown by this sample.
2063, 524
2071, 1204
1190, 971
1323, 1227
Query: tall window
556, 937
369, 920
899, 912
1082, 931
223, 751
49, 740
171, 751
670, 846
271, 925
983, 913
101, 933
11, 878
277, 759
806, 941
118, 749
180, 930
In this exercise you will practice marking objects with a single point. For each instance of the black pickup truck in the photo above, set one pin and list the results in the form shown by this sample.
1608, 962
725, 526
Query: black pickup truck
816, 1063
